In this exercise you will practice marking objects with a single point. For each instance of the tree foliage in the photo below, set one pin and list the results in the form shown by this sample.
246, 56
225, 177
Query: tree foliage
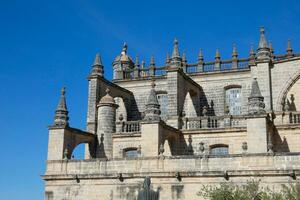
250, 191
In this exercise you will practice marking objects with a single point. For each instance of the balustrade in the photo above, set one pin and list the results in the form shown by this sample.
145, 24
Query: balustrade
213, 122
127, 126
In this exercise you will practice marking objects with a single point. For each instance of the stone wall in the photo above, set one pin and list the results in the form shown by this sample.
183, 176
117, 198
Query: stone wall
99, 179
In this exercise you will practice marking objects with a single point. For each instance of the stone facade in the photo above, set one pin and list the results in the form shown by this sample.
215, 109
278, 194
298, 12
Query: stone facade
184, 125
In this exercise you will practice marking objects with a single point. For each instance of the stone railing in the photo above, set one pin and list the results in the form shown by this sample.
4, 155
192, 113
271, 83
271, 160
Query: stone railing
200, 67
286, 118
152, 71
128, 126
213, 122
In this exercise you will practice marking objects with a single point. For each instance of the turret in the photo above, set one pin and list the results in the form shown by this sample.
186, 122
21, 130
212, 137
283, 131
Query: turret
106, 125
122, 63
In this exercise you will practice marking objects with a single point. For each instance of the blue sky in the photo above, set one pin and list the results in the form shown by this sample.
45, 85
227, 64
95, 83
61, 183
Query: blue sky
45, 45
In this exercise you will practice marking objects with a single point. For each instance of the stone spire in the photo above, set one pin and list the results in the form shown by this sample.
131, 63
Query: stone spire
124, 50
152, 111
175, 53
184, 60
143, 64
252, 56
61, 113
152, 62
217, 56
256, 100
234, 52
263, 51
168, 59
137, 62
97, 67
200, 56
271, 48
176, 59
289, 50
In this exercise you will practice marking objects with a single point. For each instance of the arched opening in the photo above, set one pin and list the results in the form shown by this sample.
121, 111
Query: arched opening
78, 152
219, 150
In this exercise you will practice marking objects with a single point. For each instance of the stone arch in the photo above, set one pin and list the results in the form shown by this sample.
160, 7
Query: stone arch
285, 90
190, 104
72, 146
121, 110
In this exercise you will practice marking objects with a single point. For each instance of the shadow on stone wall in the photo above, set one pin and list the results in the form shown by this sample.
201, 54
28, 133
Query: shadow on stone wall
280, 144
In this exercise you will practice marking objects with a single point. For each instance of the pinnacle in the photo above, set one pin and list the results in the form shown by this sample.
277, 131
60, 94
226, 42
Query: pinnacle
262, 41
175, 53
217, 53
255, 91
97, 60
152, 62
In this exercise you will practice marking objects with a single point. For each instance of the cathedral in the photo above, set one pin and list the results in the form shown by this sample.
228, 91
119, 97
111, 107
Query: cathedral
162, 132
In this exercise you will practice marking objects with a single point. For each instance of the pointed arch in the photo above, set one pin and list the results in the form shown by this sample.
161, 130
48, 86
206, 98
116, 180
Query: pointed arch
286, 89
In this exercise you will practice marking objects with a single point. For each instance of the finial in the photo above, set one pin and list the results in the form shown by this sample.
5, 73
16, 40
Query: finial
217, 54
175, 53
262, 42
137, 62
63, 91
125, 46
234, 51
289, 49
168, 59
143, 64
61, 113
256, 100
252, 53
152, 63
97, 67
175, 41
271, 47
184, 57
152, 111
97, 60
200, 55
262, 30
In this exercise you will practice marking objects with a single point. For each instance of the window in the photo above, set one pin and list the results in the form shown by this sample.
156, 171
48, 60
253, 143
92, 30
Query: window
49, 196
219, 150
234, 101
162, 98
130, 153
